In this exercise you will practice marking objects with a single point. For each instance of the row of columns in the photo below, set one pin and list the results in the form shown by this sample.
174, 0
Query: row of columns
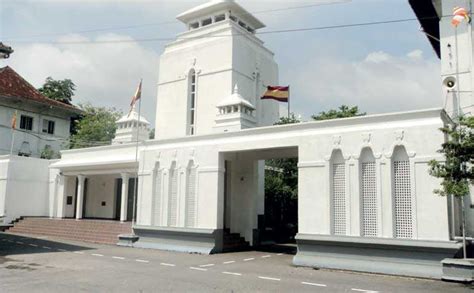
124, 199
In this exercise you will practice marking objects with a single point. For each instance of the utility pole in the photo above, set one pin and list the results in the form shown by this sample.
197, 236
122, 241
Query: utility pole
5, 51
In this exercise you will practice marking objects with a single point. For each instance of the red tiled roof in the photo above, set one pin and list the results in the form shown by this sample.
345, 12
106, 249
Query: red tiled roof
12, 85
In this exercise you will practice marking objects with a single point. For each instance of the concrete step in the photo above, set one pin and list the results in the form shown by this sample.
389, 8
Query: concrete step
81, 230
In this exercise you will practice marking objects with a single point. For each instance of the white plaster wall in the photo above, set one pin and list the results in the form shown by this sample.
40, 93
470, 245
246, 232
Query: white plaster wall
69, 190
465, 52
101, 188
220, 63
315, 142
24, 187
35, 137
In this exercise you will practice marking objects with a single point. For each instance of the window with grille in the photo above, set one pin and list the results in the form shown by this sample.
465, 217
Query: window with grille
191, 197
48, 126
192, 103
338, 199
157, 198
402, 199
26, 122
173, 197
369, 199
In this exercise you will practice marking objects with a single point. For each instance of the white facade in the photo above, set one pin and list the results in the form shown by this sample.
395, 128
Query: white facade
201, 68
456, 46
33, 142
24, 187
365, 197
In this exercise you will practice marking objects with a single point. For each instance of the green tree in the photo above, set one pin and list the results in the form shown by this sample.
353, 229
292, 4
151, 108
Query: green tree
457, 171
281, 180
59, 90
342, 112
96, 126
151, 134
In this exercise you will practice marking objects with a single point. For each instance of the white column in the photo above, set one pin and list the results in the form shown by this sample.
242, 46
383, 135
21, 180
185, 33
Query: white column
123, 205
61, 196
80, 196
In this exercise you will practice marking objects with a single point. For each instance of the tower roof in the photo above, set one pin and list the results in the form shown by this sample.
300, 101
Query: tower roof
220, 5
133, 116
235, 99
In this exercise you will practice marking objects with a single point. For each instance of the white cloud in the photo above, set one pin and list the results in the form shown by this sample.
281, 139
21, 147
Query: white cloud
378, 83
105, 74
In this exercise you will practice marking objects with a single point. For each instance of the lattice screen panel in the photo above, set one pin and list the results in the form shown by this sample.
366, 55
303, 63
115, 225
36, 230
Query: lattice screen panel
403, 200
191, 198
339, 199
173, 198
157, 199
369, 200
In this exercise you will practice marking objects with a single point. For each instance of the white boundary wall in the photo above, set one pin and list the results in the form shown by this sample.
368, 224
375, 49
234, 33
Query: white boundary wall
24, 187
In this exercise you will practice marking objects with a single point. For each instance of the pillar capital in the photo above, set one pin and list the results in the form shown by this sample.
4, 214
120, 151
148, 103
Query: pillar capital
81, 178
125, 175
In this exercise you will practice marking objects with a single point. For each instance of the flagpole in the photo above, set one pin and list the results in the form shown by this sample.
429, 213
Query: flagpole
13, 140
458, 98
135, 187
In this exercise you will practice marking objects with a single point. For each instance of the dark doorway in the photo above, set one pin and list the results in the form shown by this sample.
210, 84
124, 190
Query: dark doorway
130, 205
281, 201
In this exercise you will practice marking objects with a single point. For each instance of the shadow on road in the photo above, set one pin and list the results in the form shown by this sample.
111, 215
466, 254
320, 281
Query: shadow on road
16, 244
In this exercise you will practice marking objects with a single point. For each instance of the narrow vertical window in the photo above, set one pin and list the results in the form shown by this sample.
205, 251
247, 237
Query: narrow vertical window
369, 204
157, 196
173, 196
338, 205
402, 194
192, 103
191, 195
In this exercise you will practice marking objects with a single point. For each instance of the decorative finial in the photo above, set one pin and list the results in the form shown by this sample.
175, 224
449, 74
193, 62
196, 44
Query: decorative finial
236, 89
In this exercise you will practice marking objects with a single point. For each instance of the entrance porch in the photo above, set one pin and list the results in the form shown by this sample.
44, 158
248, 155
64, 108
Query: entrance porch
104, 191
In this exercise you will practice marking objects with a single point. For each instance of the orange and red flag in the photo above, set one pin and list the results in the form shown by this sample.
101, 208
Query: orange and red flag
14, 120
278, 93
460, 14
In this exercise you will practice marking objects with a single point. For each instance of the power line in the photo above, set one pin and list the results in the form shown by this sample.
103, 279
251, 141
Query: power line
116, 28
360, 24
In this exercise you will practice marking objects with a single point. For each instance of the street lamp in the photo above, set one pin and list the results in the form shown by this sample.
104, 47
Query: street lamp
5, 51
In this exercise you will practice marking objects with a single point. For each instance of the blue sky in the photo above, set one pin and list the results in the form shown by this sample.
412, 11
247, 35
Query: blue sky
380, 68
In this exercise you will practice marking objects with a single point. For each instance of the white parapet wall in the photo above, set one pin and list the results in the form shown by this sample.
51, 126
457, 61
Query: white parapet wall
24, 187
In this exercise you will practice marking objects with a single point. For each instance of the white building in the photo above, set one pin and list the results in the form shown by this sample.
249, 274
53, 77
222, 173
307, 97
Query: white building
42, 125
365, 198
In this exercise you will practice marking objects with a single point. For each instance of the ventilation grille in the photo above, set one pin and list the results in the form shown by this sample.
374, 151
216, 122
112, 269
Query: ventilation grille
173, 198
339, 199
369, 200
403, 200
191, 198
157, 199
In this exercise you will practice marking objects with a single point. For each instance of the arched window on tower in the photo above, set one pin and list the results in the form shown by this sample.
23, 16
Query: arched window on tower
191, 129
368, 193
402, 195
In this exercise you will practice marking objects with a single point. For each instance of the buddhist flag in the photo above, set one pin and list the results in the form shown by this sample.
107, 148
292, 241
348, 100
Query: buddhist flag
136, 97
279, 93
460, 14
14, 120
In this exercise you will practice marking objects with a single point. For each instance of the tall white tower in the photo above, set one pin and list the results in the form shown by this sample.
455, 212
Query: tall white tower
201, 67
456, 48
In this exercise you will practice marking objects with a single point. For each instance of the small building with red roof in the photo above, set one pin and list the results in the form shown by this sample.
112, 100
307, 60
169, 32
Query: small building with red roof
42, 125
